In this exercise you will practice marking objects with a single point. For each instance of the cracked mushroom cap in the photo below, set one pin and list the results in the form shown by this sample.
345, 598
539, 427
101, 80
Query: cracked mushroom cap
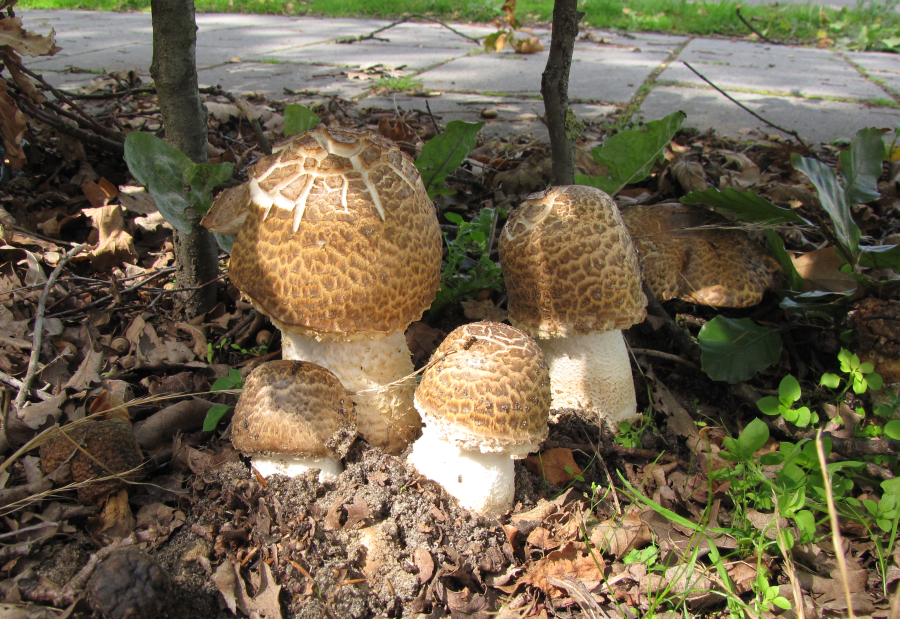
715, 267
487, 388
293, 408
569, 264
340, 239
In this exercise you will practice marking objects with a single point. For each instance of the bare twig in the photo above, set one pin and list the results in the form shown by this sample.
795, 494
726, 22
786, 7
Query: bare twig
103, 299
794, 134
63, 127
371, 35
17, 384
437, 130
39, 325
752, 29
663, 355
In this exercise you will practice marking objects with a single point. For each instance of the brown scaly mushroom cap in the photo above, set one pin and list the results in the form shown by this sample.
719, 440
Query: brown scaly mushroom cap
719, 268
487, 389
340, 239
293, 410
485, 399
569, 264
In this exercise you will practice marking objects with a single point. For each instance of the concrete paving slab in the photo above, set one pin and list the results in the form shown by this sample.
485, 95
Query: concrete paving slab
122, 58
367, 54
413, 34
770, 68
818, 120
271, 79
606, 74
592, 39
876, 61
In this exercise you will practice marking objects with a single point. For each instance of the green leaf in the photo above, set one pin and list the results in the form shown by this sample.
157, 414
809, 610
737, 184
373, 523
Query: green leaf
752, 438
745, 205
733, 350
630, 155
782, 602
223, 383
298, 119
803, 417
832, 381
201, 178
880, 256
789, 390
776, 247
214, 416
861, 165
833, 200
443, 153
770, 405
806, 522
160, 168
892, 430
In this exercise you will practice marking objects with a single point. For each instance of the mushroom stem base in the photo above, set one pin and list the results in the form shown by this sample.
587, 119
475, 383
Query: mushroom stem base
385, 415
292, 467
482, 482
591, 374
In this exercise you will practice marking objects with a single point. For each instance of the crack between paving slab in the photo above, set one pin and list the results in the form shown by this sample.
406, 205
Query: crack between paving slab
890, 92
648, 85
777, 93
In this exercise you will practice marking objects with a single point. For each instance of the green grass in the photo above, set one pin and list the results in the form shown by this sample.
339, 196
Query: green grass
869, 25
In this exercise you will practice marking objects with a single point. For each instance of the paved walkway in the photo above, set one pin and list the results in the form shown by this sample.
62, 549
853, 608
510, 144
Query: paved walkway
823, 94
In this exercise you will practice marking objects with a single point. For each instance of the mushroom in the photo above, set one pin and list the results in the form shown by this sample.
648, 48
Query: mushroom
294, 416
682, 259
485, 400
574, 282
339, 244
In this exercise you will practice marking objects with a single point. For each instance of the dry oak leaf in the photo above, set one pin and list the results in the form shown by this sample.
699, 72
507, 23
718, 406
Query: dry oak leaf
23, 42
555, 465
821, 270
12, 126
568, 562
617, 536
115, 246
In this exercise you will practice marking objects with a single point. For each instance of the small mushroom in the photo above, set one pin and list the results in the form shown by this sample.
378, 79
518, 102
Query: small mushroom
574, 282
294, 416
485, 400
683, 256
339, 244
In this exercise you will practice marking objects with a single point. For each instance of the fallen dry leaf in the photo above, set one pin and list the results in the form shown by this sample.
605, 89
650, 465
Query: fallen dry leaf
821, 270
617, 536
115, 246
566, 562
555, 465
12, 126
23, 42
689, 174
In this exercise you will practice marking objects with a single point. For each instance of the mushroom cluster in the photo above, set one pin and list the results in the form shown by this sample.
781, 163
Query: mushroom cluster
339, 245
574, 283
485, 400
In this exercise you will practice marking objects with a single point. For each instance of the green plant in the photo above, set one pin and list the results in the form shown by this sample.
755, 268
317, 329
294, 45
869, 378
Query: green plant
788, 393
461, 278
629, 435
861, 376
233, 381
298, 119
767, 595
405, 83
444, 153
733, 350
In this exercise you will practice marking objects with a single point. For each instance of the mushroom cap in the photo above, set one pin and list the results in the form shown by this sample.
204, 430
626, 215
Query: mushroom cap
296, 408
229, 210
340, 239
715, 267
487, 388
569, 264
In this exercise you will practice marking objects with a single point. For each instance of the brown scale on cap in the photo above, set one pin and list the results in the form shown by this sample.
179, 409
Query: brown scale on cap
719, 268
296, 408
340, 237
569, 264
487, 388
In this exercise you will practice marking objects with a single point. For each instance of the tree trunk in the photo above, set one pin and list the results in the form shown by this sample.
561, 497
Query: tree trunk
174, 71
555, 89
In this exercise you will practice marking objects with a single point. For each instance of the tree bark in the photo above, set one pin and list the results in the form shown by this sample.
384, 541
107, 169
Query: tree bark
555, 89
174, 71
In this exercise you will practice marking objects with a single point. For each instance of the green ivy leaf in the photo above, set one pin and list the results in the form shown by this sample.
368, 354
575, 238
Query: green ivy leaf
214, 416
892, 431
861, 165
629, 155
733, 350
745, 205
833, 200
298, 119
444, 153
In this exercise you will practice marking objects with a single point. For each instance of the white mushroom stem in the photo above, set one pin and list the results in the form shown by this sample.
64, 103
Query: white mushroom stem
290, 466
591, 373
385, 415
482, 482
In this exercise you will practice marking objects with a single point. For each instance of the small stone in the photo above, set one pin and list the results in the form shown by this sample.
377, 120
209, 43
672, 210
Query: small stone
489, 112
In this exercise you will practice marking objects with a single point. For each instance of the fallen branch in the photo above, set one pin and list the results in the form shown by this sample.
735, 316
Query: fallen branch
160, 427
663, 355
752, 29
63, 127
39, 326
371, 35
795, 135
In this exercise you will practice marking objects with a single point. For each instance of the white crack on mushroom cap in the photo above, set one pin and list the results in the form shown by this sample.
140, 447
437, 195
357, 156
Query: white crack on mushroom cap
574, 282
485, 400
341, 244
293, 416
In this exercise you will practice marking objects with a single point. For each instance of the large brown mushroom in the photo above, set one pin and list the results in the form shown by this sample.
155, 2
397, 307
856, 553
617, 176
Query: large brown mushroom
574, 282
340, 247
684, 255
